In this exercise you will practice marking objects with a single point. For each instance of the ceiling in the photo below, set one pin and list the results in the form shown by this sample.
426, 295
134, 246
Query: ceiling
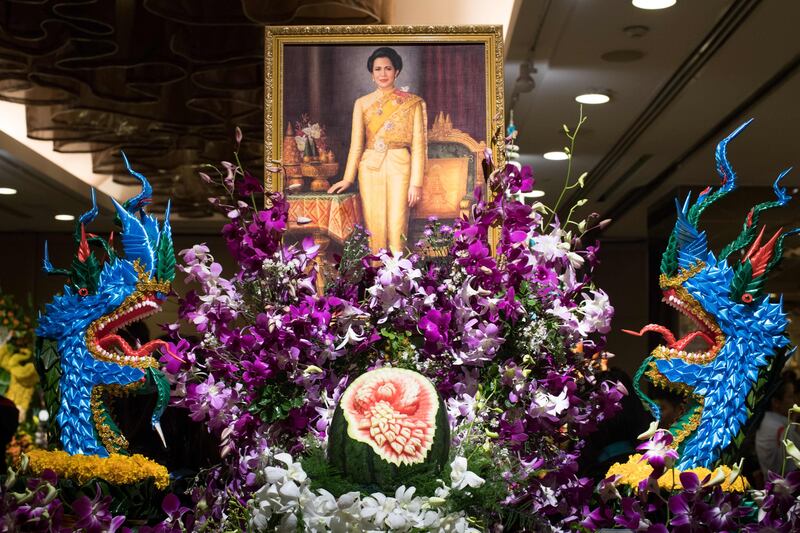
703, 68
679, 80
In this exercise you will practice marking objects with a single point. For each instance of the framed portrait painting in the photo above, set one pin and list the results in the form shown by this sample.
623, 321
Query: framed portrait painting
379, 126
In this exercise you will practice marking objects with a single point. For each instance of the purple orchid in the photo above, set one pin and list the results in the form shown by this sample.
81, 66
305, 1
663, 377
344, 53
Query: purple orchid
657, 451
93, 515
179, 518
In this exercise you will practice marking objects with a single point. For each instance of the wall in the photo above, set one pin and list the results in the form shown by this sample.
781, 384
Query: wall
21, 272
622, 273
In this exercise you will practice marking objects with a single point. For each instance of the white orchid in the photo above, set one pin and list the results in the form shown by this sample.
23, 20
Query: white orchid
294, 471
314, 131
548, 404
376, 507
287, 495
550, 247
350, 337
461, 477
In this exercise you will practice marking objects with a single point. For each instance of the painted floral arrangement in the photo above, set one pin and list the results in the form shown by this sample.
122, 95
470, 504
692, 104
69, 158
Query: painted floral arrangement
311, 139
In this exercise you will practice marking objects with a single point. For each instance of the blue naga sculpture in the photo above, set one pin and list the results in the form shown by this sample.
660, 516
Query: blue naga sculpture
742, 333
83, 362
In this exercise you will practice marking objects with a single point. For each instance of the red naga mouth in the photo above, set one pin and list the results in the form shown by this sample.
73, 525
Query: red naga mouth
708, 335
106, 345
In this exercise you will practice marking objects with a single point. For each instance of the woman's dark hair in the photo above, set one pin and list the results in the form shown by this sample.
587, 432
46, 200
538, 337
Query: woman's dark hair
390, 54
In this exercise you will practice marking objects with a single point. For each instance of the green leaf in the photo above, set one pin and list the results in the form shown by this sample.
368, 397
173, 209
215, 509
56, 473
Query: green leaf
277, 400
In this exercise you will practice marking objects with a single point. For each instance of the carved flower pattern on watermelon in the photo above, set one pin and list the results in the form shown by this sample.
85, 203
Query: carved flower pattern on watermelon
393, 411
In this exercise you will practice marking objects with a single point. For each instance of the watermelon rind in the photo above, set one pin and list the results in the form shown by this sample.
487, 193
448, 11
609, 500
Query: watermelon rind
361, 459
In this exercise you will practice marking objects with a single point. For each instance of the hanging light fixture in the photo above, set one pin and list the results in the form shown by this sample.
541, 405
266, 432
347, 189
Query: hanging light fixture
525, 82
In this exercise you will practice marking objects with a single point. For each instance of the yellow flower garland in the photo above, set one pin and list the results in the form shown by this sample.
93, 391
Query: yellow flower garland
116, 469
635, 470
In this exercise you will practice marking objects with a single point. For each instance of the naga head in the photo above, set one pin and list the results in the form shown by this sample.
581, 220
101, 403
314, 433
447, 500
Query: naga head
722, 367
78, 333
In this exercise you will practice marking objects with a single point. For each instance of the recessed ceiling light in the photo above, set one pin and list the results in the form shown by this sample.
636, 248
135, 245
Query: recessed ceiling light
64, 218
653, 4
592, 98
556, 156
7, 190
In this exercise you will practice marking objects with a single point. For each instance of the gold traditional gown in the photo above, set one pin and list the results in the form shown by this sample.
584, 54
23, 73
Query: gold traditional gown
388, 147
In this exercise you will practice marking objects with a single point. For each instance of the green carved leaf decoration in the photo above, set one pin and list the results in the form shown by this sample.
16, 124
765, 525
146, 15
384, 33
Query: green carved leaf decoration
755, 285
165, 271
669, 261
48, 365
86, 273
741, 279
745, 237
161, 384
277, 400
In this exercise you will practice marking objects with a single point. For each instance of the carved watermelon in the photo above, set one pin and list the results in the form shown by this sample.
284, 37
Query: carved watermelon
390, 424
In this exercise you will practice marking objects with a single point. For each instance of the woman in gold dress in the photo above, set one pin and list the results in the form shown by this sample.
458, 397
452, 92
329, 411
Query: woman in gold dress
388, 149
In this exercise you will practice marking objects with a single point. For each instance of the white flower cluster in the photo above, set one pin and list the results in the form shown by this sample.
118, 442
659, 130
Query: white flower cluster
535, 333
286, 499
279, 275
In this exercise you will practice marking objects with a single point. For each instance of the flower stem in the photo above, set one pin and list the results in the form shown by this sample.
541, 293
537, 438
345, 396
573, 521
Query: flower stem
786, 436
581, 120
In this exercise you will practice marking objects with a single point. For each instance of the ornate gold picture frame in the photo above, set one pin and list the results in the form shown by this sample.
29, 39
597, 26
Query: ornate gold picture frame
328, 121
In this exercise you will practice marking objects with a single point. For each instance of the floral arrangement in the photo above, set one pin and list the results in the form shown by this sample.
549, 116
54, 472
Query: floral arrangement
42, 504
16, 327
18, 377
511, 338
20, 443
696, 500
